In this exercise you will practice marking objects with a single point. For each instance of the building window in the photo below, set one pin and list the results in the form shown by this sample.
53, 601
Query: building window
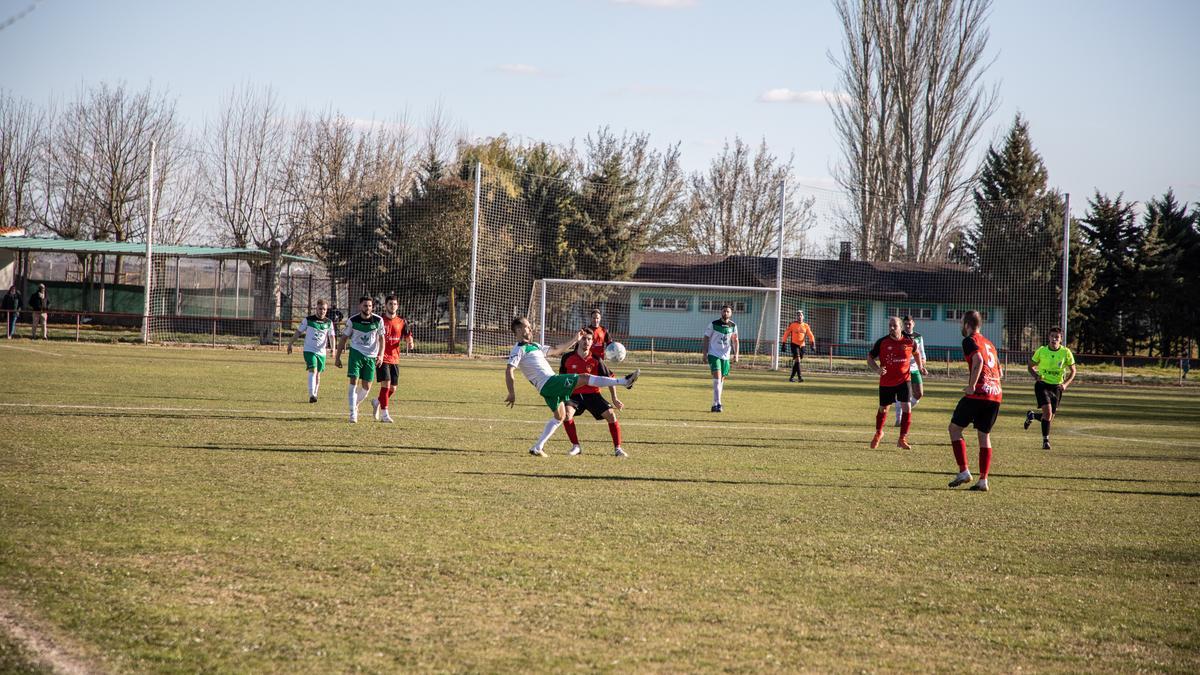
652, 302
739, 306
917, 313
858, 322
955, 314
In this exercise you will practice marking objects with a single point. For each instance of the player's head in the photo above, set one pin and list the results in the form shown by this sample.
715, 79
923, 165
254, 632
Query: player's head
322, 308
366, 304
596, 316
894, 326
391, 305
1054, 337
908, 323
586, 337
522, 328
726, 312
971, 323
800, 315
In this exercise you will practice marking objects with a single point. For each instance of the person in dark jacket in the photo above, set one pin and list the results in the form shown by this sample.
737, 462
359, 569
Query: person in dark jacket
12, 306
39, 306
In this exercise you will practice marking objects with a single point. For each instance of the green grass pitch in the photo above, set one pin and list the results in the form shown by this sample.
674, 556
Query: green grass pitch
187, 510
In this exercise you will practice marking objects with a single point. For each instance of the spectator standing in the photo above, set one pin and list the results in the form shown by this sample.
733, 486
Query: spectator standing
12, 306
39, 306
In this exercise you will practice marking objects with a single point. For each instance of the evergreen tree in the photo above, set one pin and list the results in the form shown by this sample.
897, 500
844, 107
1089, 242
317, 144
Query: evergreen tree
1165, 254
605, 237
1110, 231
1017, 242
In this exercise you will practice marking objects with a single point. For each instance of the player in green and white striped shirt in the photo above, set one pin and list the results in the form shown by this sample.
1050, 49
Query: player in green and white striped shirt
365, 333
317, 330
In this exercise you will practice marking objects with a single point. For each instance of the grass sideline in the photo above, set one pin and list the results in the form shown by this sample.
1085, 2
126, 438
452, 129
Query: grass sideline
186, 510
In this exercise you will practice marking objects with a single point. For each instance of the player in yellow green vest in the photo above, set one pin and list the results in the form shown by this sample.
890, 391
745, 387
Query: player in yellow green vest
1053, 369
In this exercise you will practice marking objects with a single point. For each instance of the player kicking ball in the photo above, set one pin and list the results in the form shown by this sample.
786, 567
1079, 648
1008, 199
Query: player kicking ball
317, 330
980, 404
388, 373
1047, 366
719, 341
891, 356
365, 333
530, 358
587, 397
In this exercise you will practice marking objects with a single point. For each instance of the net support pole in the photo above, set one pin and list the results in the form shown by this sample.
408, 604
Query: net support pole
542, 315
474, 263
149, 260
775, 339
1066, 264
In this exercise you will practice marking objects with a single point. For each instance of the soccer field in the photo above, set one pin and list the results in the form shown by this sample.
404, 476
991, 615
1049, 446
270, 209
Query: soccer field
187, 510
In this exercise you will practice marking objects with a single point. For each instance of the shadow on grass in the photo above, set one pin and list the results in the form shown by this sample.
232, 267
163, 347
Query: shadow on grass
303, 418
696, 481
1026, 475
377, 451
1139, 458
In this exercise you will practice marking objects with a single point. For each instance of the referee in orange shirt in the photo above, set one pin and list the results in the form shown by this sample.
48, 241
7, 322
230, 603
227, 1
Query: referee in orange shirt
796, 335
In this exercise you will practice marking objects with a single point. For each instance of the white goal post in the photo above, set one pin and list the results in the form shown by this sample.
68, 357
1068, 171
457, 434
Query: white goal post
664, 319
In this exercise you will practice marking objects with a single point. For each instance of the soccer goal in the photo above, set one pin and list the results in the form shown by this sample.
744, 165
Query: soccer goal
658, 322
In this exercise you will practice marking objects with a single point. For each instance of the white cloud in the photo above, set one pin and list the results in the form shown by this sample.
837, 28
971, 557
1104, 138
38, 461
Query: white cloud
519, 69
785, 95
658, 4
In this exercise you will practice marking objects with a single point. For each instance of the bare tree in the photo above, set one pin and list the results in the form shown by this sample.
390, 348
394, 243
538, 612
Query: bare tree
914, 102
22, 130
735, 205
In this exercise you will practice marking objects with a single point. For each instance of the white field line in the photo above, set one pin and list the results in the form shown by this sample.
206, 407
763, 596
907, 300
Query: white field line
865, 431
30, 349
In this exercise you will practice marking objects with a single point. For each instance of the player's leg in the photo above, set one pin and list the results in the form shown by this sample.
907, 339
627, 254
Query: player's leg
352, 396
569, 424
555, 421
887, 395
905, 408
799, 370
1049, 410
602, 381
985, 419
614, 429
959, 421
795, 363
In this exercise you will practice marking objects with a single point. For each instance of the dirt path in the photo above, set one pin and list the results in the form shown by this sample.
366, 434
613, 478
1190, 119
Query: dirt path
37, 639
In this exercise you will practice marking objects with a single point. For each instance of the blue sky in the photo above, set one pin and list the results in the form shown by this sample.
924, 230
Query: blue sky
1105, 85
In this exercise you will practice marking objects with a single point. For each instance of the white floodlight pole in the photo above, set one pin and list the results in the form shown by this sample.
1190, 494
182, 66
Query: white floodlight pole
149, 251
776, 340
474, 263
1066, 264
542, 314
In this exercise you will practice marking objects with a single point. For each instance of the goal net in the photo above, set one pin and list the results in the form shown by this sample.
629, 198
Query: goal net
658, 322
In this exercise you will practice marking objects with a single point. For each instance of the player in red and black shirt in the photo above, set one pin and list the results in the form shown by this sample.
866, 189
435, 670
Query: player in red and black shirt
588, 398
891, 357
980, 403
396, 330
601, 338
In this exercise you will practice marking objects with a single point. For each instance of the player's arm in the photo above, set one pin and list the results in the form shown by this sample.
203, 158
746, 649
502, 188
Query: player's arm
341, 347
616, 402
811, 338
872, 355
920, 355
567, 346
1070, 377
299, 331
924, 359
408, 335
511, 400
737, 346
380, 345
1032, 366
976, 372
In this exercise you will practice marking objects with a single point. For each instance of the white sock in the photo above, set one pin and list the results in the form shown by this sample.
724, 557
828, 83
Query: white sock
599, 381
352, 397
312, 383
718, 386
914, 403
899, 413
551, 427
316, 383
362, 395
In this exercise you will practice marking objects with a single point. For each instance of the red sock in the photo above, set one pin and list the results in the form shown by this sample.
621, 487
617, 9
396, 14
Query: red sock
880, 418
569, 425
384, 394
960, 453
905, 423
985, 461
614, 428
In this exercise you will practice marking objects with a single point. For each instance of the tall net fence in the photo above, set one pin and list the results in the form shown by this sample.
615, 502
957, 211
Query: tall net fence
465, 254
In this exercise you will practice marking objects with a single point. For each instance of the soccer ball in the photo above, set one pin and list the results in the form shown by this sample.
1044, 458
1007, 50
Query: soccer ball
614, 352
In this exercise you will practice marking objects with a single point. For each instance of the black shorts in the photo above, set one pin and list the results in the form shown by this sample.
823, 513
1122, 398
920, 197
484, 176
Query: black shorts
1048, 394
797, 351
975, 411
388, 372
593, 403
890, 395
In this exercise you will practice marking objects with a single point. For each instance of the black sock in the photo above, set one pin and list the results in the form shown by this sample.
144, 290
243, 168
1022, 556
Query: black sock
795, 369
1037, 415
798, 374
1045, 428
